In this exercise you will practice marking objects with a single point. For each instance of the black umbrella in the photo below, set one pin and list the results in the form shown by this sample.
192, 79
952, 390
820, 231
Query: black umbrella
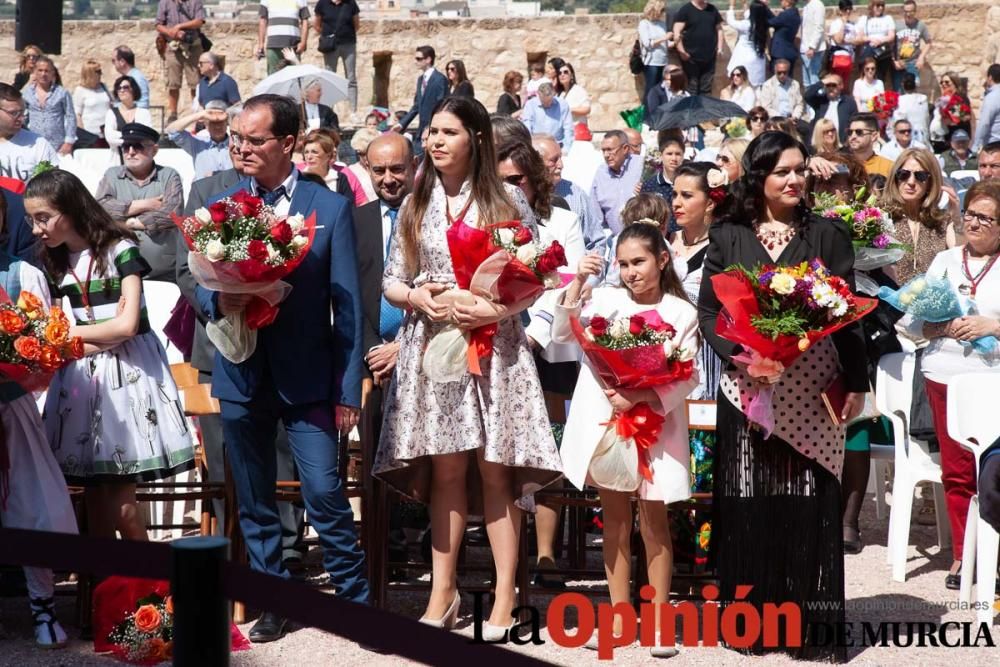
690, 111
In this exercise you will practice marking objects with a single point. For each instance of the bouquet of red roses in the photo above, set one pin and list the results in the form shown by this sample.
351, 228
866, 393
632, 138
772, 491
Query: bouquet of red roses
34, 344
883, 104
502, 263
240, 246
635, 352
776, 313
955, 110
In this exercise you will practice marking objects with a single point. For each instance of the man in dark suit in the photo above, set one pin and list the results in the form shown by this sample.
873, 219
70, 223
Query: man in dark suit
432, 87
303, 372
15, 232
830, 90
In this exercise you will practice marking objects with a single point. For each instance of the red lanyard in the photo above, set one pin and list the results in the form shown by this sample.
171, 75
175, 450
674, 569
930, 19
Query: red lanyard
85, 290
979, 276
461, 214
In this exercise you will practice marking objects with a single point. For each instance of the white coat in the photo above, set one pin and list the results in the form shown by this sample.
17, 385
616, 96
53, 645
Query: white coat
670, 457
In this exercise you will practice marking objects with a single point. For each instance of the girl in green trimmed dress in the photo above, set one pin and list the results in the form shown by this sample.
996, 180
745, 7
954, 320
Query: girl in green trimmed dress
114, 417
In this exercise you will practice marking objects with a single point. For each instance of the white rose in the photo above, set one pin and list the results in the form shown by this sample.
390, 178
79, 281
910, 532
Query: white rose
669, 347
203, 216
619, 327
506, 235
299, 242
215, 250
783, 284
271, 252
527, 253
297, 222
552, 280
717, 178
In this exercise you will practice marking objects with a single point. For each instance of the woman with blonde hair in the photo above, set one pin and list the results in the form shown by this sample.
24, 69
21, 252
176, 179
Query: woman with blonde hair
91, 99
730, 157
825, 138
654, 39
912, 195
25, 71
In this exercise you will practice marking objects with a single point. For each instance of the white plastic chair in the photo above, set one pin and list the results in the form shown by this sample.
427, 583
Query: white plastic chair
972, 422
181, 162
964, 173
913, 462
89, 177
160, 298
882, 456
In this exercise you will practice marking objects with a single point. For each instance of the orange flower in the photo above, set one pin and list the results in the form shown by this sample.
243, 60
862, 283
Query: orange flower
762, 367
49, 358
56, 332
157, 649
74, 348
169, 604
30, 304
147, 619
56, 314
11, 322
28, 347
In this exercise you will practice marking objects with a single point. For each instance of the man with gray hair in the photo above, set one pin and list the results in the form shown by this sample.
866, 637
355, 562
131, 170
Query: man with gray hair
209, 148
589, 216
615, 185
781, 95
215, 84
547, 113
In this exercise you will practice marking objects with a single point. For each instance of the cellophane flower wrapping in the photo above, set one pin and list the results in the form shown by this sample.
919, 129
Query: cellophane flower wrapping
955, 110
776, 313
873, 232
133, 620
632, 352
935, 299
34, 343
238, 245
883, 104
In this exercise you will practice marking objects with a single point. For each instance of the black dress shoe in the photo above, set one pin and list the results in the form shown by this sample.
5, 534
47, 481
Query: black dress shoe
953, 582
268, 628
542, 581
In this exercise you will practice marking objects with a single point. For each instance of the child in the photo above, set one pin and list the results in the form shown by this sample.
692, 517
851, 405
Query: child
536, 77
648, 207
36, 498
113, 418
649, 283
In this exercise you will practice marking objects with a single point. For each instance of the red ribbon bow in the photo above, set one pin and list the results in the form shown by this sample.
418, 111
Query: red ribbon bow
642, 425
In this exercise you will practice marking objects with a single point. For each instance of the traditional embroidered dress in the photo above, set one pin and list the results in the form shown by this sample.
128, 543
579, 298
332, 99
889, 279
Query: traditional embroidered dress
34, 495
115, 415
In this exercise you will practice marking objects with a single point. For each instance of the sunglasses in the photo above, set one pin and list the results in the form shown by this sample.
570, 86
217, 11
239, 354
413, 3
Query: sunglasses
514, 179
903, 175
904, 131
781, 72
757, 119
831, 86
858, 133
984, 221
564, 71
124, 88
136, 146
449, 69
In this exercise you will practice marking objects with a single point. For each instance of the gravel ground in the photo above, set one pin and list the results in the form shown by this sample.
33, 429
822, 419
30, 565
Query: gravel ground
872, 596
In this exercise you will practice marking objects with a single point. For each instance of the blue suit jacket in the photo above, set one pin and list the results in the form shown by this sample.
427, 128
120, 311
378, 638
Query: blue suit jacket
16, 237
299, 353
437, 89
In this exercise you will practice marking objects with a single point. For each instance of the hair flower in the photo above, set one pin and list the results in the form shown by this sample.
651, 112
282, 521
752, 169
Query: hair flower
717, 178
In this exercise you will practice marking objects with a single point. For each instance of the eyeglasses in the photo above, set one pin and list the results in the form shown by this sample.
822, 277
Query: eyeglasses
946, 82
31, 56
903, 175
13, 114
736, 74
722, 159
136, 146
983, 221
610, 151
41, 221
858, 133
238, 140
514, 179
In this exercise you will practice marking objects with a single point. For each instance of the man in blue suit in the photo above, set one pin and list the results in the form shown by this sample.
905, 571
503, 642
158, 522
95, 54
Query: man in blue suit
15, 236
432, 87
303, 372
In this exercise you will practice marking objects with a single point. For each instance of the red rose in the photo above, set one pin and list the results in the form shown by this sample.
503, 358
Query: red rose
553, 257
523, 235
257, 250
218, 212
636, 324
249, 205
598, 325
282, 233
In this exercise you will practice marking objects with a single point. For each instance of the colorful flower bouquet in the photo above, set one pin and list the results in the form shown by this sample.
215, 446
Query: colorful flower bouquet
872, 230
503, 264
636, 352
34, 344
955, 110
134, 621
240, 246
883, 104
935, 300
776, 313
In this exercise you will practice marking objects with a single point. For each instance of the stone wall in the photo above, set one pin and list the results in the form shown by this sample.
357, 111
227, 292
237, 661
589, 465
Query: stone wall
966, 35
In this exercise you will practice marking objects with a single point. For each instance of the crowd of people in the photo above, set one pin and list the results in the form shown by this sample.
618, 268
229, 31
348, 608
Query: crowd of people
637, 241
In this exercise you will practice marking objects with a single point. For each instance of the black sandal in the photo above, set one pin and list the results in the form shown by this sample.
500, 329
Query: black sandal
852, 546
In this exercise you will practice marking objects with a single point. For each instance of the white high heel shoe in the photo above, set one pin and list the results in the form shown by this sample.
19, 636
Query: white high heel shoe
450, 618
495, 633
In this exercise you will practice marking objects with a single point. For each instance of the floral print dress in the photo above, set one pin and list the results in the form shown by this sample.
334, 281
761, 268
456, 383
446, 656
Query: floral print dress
501, 412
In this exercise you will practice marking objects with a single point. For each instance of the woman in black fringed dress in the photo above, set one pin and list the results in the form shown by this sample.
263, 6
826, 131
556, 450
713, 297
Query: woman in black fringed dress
776, 516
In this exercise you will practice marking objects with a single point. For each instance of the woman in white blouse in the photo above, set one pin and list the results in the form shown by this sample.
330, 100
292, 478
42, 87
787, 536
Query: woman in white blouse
127, 94
751, 41
654, 40
575, 95
878, 34
867, 86
91, 100
739, 89
971, 270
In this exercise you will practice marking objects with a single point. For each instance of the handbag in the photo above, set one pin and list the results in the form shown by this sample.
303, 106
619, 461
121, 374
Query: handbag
882, 52
635, 64
179, 329
327, 43
206, 43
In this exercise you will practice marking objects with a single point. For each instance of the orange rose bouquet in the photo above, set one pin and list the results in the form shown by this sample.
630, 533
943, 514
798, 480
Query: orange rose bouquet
34, 344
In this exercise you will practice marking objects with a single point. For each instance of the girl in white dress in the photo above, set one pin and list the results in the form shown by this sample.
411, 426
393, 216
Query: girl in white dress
649, 283
751, 42
112, 418
33, 494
